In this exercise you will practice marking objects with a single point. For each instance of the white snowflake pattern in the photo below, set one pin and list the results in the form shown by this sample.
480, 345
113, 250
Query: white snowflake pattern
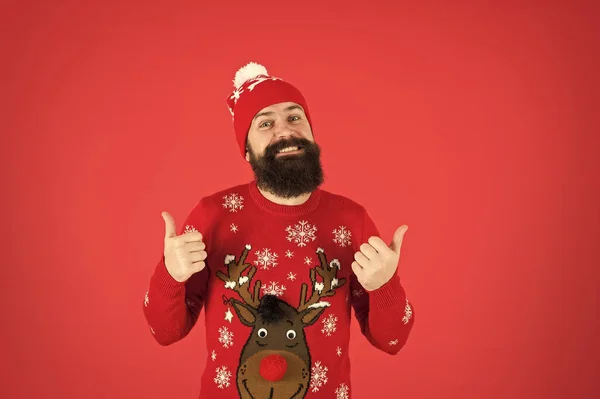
256, 81
342, 236
307, 261
289, 253
318, 376
357, 293
394, 342
266, 258
225, 337
233, 227
273, 288
189, 303
407, 313
338, 351
223, 376
213, 355
189, 229
291, 276
341, 392
233, 202
301, 233
236, 95
329, 325
146, 299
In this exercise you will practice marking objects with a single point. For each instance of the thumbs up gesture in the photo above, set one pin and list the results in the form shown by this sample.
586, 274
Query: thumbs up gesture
376, 262
184, 254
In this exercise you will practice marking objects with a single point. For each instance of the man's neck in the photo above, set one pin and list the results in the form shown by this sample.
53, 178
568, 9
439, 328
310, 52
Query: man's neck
285, 201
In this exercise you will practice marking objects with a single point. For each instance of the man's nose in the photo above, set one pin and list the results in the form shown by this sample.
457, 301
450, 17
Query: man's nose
283, 132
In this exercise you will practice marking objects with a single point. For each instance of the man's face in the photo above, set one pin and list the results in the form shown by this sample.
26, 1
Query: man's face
282, 152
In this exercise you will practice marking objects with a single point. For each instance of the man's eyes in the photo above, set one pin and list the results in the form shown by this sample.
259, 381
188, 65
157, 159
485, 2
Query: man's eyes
292, 118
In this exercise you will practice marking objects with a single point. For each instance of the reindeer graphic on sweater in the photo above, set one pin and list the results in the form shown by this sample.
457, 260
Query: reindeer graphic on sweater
275, 362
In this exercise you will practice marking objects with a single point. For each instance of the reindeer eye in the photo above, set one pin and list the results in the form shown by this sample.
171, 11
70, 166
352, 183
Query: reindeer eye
262, 333
291, 334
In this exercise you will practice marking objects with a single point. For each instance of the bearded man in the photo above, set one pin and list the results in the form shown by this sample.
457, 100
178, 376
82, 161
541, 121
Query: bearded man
277, 264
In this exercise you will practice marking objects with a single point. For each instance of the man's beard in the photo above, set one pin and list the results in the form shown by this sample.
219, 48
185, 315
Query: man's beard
288, 176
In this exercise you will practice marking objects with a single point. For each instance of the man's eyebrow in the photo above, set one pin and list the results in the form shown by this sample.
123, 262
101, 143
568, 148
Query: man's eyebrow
295, 106
291, 107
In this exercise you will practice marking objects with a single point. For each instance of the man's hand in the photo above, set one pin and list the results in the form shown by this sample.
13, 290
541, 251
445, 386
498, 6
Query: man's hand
184, 254
376, 263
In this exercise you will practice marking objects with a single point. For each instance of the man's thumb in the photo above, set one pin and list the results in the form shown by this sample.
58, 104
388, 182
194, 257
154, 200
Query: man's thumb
170, 228
398, 237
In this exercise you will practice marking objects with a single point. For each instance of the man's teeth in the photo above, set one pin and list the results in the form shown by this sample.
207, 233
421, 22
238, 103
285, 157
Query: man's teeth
288, 149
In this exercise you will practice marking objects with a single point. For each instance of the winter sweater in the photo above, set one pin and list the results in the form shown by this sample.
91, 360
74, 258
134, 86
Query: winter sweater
277, 293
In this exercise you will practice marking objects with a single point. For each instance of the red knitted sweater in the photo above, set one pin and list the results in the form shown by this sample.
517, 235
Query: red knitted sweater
277, 293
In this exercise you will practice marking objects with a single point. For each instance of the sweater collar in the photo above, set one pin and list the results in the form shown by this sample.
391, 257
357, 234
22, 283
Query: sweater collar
283, 210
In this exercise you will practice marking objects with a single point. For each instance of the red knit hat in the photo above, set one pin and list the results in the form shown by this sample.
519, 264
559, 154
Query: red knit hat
255, 90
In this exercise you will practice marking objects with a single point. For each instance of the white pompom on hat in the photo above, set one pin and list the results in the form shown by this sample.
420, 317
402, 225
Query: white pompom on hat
247, 72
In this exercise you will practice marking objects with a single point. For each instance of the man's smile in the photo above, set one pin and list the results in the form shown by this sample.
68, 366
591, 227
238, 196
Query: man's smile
291, 150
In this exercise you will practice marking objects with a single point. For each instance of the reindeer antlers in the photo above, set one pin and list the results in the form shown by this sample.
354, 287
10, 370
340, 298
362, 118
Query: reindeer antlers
241, 284
326, 288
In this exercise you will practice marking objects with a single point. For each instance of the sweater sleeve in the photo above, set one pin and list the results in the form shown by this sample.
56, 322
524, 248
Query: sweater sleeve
171, 308
385, 315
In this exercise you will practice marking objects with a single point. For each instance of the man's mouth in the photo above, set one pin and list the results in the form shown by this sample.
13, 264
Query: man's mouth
289, 150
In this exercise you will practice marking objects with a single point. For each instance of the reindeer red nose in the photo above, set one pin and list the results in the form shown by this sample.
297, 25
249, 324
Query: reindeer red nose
273, 367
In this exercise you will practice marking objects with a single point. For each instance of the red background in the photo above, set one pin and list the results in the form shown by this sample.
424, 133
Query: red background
476, 125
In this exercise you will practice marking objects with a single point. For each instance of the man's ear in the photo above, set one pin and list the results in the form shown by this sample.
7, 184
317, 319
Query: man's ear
247, 149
